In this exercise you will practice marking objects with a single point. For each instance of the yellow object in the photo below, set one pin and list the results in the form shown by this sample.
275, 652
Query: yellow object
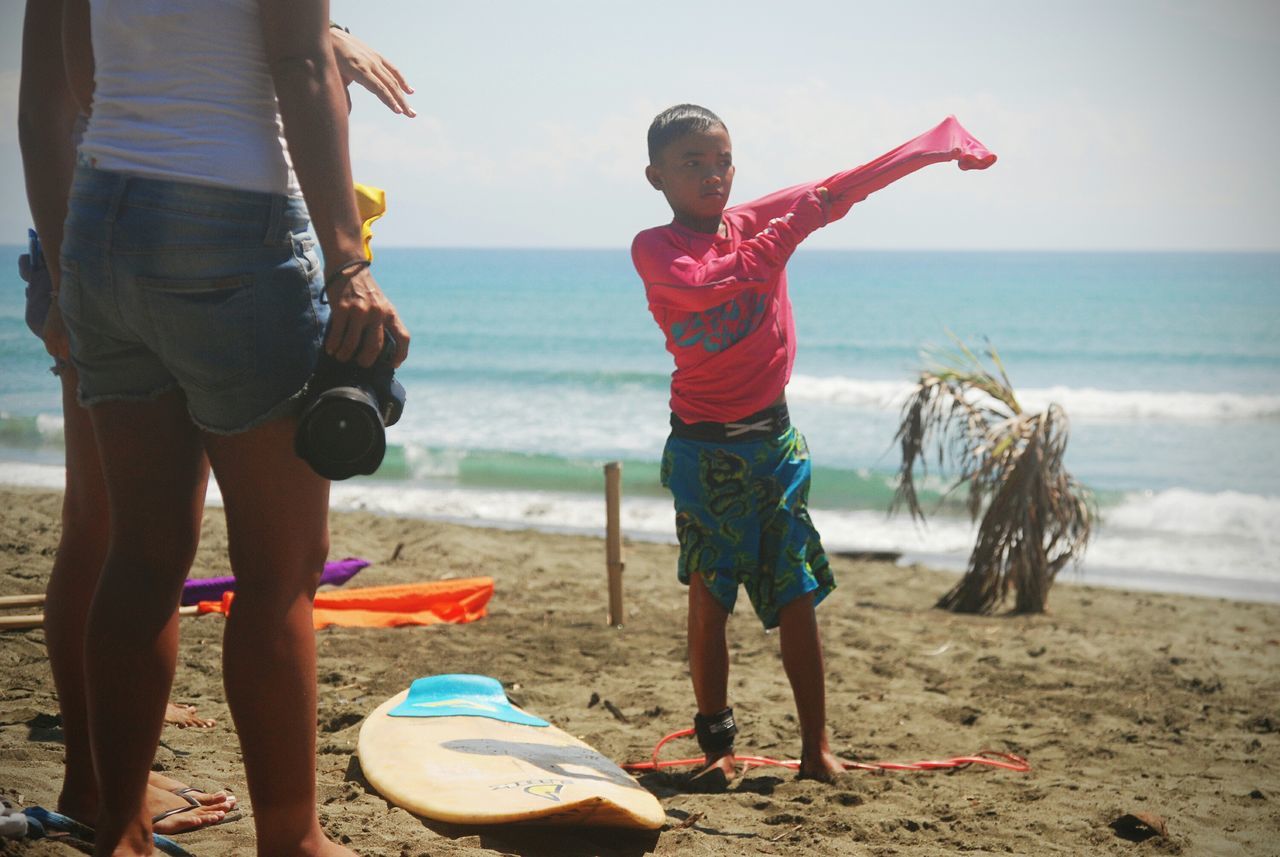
482, 771
371, 202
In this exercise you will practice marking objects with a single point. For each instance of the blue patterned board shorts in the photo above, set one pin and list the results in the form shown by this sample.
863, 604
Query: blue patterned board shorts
742, 517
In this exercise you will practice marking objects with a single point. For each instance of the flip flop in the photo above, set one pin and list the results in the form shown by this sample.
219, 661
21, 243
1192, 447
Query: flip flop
185, 792
46, 824
192, 804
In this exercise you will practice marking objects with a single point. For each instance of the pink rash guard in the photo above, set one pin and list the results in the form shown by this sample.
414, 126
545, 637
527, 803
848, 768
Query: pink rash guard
722, 300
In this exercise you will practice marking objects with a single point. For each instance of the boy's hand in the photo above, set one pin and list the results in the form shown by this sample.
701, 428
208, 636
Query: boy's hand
824, 196
359, 63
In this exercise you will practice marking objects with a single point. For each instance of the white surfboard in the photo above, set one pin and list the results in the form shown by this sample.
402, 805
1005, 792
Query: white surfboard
453, 748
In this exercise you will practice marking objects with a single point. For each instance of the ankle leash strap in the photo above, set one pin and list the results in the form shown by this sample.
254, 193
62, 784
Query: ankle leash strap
715, 732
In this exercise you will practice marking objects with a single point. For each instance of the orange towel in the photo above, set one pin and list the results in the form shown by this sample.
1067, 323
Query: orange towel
429, 603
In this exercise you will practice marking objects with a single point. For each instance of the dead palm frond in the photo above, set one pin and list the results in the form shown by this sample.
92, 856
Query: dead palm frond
1035, 518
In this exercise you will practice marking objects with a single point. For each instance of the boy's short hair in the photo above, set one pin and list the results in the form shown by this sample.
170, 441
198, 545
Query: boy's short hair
675, 122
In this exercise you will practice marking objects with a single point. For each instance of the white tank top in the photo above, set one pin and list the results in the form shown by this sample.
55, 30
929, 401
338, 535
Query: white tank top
182, 91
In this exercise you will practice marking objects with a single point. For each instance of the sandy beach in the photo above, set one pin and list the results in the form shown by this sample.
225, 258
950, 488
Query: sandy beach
1122, 703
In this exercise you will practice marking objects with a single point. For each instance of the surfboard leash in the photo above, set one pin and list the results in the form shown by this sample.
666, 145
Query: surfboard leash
989, 758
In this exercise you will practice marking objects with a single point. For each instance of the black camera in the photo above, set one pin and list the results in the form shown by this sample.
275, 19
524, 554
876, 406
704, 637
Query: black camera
342, 431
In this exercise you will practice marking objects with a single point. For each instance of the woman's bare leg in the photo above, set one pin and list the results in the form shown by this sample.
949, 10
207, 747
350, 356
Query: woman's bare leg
82, 547
278, 536
153, 467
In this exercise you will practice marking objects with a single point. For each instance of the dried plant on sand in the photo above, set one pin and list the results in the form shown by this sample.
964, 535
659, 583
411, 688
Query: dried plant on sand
1035, 518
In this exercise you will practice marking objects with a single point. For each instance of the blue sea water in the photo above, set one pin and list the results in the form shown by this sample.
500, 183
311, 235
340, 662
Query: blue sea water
530, 368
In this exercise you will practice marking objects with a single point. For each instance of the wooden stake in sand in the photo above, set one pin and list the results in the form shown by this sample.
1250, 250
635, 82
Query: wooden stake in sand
613, 539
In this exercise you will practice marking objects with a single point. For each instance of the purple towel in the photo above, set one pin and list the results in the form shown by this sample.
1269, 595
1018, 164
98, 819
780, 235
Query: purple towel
211, 588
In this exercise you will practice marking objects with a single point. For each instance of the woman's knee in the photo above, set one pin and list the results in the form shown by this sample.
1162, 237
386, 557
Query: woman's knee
85, 524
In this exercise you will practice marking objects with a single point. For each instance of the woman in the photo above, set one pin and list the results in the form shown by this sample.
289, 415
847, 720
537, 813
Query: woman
192, 296
47, 113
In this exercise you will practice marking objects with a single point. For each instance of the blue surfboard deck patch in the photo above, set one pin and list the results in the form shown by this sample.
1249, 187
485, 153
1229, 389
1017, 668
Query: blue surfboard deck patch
460, 695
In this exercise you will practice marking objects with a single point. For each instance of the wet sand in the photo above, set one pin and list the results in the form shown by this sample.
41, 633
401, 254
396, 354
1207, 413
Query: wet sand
1122, 702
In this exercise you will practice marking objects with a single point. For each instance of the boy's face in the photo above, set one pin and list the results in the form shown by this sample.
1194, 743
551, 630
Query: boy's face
695, 174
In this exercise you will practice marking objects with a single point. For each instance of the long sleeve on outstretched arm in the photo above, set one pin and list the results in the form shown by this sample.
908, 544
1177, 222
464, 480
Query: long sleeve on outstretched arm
676, 280
947, 141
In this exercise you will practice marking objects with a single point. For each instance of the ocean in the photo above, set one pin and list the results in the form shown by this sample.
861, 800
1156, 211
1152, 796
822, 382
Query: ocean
532, 368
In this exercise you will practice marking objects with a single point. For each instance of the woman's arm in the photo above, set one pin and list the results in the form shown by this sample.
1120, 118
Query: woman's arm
77, 52
46, 120
313, 110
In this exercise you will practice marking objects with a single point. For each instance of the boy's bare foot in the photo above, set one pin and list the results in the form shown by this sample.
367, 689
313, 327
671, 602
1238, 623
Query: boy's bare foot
716, 776
183, 716
822, 766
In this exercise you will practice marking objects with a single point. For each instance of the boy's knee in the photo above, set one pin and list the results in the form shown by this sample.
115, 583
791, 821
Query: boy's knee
704, 607
800, 606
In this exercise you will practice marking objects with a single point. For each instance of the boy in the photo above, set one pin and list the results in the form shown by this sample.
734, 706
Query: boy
739, 472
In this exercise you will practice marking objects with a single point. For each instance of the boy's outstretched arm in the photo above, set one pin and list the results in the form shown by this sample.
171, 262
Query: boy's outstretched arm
947, 141
675, 280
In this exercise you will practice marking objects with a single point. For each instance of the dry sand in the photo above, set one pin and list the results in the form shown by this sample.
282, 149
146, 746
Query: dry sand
1122, 702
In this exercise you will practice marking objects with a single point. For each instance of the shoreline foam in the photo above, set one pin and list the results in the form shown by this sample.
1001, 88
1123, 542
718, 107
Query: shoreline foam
1220, 545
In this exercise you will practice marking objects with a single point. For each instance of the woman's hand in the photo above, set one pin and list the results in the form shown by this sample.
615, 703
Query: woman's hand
54, 333
359, 315
359, 63
299, 48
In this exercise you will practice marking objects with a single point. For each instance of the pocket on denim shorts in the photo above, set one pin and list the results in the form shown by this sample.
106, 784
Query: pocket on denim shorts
204, 329
304, 251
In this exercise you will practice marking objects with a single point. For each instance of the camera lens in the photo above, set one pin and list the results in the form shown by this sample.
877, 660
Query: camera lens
341, 434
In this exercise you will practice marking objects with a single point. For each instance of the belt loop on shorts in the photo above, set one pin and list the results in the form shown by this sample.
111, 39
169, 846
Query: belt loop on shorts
117, 202
273, 236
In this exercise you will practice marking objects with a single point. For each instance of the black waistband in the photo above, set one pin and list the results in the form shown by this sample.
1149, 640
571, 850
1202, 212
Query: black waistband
768, 423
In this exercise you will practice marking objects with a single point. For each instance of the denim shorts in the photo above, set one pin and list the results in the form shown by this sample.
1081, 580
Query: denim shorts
215, 291
742, 518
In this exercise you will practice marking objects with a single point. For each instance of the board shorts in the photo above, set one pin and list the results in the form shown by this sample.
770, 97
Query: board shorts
170, 285
742, 517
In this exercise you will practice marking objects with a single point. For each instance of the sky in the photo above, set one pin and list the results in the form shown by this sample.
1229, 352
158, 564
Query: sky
1119, 124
